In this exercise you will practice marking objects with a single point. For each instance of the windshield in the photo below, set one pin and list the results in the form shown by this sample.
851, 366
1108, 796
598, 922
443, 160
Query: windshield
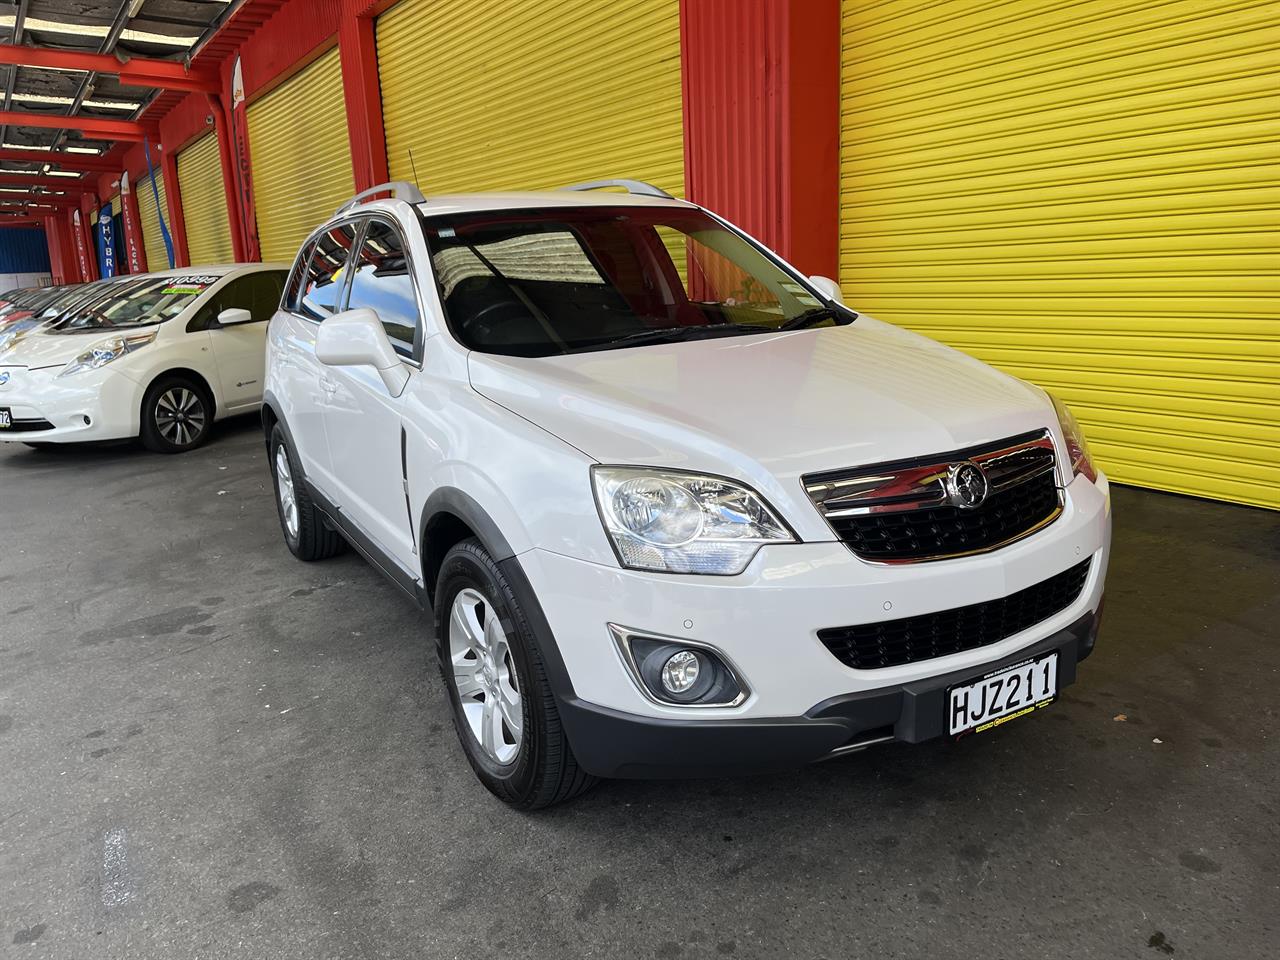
134, 303
567, 280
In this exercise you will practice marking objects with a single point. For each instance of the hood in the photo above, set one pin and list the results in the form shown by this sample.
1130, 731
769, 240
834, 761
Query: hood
34, 350
793, 402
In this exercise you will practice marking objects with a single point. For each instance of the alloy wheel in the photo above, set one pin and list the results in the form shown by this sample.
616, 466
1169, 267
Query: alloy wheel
284, 490
180, 416
485, 676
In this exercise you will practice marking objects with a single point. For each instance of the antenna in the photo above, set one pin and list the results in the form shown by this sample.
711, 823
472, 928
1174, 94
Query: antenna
414, 167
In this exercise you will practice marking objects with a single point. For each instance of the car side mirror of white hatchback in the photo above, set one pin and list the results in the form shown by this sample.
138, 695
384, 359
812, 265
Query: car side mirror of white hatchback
828, 288
356, 338
234, 315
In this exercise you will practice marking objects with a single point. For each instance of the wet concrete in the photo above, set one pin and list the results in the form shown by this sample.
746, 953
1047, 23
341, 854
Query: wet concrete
210, 750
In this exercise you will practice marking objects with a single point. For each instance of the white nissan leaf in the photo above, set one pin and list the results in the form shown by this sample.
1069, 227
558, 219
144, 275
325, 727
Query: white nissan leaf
679, 511
158, 356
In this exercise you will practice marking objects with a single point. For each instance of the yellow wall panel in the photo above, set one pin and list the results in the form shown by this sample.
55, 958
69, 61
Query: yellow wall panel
204, 203
301, 157
531, 95
1086, 195
152, 238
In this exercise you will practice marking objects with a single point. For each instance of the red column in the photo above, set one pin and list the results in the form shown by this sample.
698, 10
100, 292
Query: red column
762, 120
173, 199
227, 155
357, 48
135, 254
55, 249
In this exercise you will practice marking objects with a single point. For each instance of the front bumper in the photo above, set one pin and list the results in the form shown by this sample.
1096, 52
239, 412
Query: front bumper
765, 622
610, 743
100, 404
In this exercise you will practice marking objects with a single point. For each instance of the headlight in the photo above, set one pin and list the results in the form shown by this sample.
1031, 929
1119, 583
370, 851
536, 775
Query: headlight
1077, 448
675, 522
104, 351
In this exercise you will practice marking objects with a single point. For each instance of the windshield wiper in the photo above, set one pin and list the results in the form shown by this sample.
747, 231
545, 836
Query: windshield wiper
675, 335
817, 315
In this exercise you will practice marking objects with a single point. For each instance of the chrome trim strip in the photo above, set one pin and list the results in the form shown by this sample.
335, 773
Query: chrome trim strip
621, 638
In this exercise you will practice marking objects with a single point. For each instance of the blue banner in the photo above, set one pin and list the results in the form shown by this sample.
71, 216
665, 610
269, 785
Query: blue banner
155, 192
106, 243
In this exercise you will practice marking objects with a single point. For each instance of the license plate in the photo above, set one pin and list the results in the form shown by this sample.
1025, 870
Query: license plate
6, 418
1002, 696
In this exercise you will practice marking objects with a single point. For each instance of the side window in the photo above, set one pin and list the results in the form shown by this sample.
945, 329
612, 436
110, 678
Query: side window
380, 280
326, 272
259, 293
295, 277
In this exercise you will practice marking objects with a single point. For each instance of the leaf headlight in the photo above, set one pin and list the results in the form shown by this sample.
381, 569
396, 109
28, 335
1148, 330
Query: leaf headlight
1077, 448
675, 522
104, 351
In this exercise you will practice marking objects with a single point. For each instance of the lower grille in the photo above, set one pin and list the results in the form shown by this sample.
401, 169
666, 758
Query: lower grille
892, 643
20, 426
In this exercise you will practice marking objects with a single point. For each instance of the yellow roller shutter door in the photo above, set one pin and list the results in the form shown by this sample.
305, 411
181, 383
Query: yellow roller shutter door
1084, 194
301, 156
152, 238
532, 95
204, 203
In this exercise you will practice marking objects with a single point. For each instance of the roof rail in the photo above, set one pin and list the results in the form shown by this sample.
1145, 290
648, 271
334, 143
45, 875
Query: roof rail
631, 186
400, 189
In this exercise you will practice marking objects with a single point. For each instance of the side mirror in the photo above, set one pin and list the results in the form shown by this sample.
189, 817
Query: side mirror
234, 315
828, 288
356, 338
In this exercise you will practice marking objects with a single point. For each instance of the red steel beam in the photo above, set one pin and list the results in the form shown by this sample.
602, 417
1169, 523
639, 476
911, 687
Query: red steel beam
53, 183
134, 72
83, 162
93, 128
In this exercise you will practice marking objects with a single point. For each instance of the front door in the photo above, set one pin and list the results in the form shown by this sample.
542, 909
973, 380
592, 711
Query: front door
240, 350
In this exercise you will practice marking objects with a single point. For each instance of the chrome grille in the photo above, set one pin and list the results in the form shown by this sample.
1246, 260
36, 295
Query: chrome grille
915, 510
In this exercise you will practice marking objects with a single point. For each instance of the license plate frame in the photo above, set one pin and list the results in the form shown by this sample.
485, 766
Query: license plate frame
1001, 694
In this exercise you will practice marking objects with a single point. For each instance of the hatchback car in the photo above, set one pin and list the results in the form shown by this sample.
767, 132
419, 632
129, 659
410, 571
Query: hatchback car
678, 509
158, 356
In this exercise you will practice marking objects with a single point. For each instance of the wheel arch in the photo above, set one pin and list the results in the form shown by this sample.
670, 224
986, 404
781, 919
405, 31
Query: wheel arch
449, 517
191, 374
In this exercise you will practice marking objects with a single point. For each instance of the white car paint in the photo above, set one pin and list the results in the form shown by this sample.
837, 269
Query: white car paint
519, 436
105, 404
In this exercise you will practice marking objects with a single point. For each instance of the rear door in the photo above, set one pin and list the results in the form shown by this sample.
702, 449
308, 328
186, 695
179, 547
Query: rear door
362, 419
240, 350
299, 379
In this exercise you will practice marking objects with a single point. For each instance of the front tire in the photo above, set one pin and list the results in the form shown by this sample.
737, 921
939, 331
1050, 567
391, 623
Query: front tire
503, 708
306, 534
177, 413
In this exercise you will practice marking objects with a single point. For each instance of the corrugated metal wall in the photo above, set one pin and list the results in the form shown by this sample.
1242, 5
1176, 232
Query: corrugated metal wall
204, 203
23, 250
1084, 194
152, 238
532, 95
297, 189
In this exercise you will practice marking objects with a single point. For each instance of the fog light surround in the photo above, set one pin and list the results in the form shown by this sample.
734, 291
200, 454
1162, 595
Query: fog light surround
673, 671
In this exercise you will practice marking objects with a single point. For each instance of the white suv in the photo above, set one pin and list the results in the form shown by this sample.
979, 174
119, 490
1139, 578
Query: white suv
678, 510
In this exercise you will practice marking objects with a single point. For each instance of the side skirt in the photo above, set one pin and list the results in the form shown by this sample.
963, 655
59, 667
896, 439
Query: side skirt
365, 546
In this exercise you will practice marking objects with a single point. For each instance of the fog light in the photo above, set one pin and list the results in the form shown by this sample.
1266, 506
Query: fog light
680, 672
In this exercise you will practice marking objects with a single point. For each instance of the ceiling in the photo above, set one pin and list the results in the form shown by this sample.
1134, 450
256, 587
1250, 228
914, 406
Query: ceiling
154, 29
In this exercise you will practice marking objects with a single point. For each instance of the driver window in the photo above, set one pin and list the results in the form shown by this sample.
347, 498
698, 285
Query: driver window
381, 281
259, 293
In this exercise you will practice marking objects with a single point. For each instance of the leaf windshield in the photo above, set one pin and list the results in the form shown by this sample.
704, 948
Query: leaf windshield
134, 303
573, 279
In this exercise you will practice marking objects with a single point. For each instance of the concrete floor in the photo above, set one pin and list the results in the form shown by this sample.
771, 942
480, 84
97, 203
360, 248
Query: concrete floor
211, 750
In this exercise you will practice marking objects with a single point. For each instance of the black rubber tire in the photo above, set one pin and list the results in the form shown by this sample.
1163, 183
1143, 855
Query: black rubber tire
544, 772
316, 540
149, 432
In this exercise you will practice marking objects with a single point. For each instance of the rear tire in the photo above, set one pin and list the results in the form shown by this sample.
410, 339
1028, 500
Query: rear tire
496, 681
306, 533
177, 413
